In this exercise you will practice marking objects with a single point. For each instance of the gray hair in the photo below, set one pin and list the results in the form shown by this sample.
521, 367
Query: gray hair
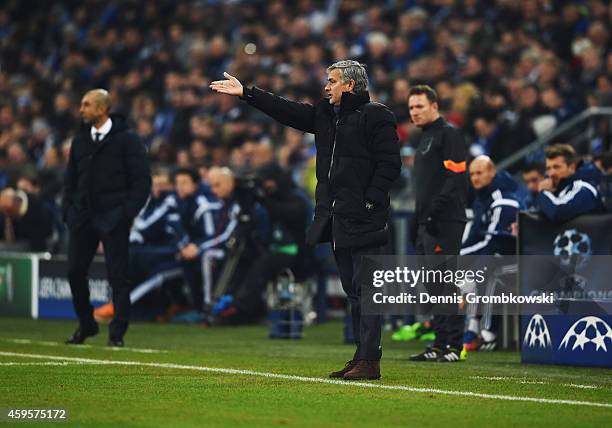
352, 70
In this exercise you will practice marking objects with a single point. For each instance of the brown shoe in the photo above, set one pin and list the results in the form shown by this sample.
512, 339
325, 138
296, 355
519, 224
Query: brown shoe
347, 368
364, 370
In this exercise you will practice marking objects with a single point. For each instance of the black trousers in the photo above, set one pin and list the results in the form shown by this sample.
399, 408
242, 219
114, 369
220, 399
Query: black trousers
447, 326
366, 328
82, 246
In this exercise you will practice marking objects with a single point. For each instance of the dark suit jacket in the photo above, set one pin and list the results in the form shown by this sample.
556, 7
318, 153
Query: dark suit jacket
106, 181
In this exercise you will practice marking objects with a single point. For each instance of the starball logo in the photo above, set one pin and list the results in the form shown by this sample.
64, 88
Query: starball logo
573, 248
537, 334
585, 331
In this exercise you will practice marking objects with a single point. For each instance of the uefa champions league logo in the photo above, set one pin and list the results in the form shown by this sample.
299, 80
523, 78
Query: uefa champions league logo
573, 248
537, 333
588, 330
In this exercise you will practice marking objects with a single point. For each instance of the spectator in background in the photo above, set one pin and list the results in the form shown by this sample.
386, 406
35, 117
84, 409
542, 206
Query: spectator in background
62, 117
26, 222
532, 174
491, 138
157, 60
570, 188
604, 162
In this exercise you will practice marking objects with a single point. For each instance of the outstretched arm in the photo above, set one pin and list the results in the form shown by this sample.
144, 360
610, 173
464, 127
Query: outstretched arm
296, 115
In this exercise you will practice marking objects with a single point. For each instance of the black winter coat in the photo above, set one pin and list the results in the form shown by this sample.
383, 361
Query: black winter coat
105, 181
357, 162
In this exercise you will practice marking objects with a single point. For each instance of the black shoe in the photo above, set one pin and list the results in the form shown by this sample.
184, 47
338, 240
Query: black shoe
115, 343
81, 334
429, 354
350, 365
452, 355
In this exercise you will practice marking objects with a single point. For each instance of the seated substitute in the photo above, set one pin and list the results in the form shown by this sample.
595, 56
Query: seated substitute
209, 220
532, 174
156, 238
495, 206
571, 188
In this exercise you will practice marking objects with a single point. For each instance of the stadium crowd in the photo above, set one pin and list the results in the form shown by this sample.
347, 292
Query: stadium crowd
506, 72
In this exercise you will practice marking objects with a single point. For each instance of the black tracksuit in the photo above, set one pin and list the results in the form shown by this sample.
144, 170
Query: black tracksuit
357, 162
441, 193
105, 186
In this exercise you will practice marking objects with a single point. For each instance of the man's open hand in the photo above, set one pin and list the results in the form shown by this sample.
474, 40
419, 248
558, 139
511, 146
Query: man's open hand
231, 86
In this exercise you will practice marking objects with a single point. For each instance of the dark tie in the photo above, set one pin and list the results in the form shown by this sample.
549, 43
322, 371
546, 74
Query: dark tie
97, 137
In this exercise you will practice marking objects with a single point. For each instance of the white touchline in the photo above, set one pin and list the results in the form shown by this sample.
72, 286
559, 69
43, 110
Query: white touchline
49, 343
47, 363
526, 381
312, 380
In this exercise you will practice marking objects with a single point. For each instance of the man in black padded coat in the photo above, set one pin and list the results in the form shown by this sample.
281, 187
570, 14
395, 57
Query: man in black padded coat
107, 182
357, 162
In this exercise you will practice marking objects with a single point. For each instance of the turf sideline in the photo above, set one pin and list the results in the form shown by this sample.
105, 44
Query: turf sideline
312, 379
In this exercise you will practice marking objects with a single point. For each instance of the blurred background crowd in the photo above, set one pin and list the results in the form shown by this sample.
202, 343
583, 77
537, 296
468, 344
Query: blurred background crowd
498, 66
506, 73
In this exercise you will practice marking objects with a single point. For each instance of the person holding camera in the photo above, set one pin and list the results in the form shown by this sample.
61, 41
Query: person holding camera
357, 162
287, 209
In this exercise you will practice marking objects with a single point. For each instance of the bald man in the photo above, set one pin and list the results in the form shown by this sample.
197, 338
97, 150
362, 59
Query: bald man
222, 182
107, 182
495, 209
496, 206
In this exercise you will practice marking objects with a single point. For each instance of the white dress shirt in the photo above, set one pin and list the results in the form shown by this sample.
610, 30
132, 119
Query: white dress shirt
103, 130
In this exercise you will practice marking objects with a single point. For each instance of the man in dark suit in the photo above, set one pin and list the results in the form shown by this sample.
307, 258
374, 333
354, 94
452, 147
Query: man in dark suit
107, 182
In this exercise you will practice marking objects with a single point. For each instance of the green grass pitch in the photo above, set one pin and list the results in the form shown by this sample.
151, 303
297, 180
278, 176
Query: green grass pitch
170, 376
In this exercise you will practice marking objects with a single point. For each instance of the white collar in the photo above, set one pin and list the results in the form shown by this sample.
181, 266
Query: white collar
104, 129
